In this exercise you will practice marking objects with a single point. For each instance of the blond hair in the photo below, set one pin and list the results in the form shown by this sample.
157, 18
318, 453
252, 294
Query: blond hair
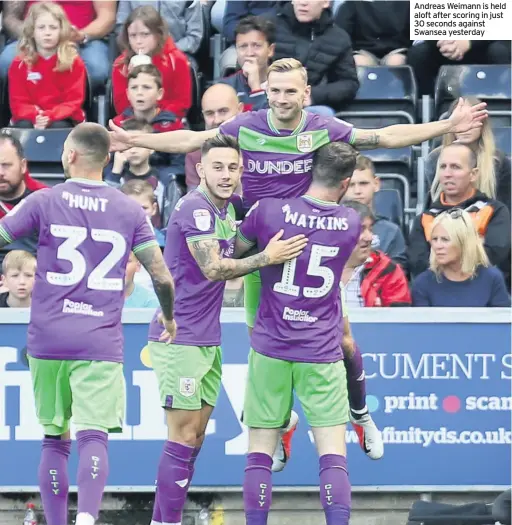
284, 65
17, 260
485, 151
463, 234
66, 49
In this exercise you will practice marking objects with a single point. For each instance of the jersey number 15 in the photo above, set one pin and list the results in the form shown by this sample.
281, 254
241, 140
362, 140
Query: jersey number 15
68, 251
286, 284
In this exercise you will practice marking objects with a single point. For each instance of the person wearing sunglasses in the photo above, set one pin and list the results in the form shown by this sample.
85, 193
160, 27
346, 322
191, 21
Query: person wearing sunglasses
458, 176
460, 273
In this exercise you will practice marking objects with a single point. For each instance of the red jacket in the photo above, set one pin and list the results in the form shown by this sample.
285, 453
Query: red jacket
176, 76
383, 282
60, 95
31, 185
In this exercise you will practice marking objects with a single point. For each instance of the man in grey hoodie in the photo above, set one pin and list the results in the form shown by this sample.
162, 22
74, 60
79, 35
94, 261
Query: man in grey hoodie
387, 236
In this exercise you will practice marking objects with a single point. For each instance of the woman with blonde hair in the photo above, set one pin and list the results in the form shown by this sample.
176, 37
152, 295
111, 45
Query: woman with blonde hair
460, 273
493, 165
47, 78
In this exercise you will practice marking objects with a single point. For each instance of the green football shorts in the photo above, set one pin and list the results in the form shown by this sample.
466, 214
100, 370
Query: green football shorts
92, 393
320, 387
186, 375
252, 291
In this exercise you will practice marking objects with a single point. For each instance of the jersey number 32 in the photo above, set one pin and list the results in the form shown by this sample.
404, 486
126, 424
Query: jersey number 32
68, 251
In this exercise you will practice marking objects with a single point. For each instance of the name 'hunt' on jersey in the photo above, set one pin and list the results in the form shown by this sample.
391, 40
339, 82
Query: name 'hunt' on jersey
86, 231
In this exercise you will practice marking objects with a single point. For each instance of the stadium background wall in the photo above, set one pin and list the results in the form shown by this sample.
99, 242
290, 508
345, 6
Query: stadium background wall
439, 385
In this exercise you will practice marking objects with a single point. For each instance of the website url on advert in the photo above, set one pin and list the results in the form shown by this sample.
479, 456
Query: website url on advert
441, 436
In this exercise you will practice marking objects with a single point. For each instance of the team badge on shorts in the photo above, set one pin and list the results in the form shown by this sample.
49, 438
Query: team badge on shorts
187, 386
305, 143
203, 220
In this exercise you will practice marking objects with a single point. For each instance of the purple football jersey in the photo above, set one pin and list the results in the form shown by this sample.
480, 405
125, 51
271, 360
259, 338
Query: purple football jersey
278, 163
299, 316
86, 231
198, 301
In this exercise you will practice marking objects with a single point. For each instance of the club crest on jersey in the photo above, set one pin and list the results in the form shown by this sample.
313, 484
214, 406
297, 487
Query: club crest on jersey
187, 386
305, 143
203, 220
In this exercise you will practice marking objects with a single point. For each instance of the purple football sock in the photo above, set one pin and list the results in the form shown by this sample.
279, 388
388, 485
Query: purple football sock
335, 489
157, 515
192, 464
53, 480
92, 470
356, 382
173, 480
257, 488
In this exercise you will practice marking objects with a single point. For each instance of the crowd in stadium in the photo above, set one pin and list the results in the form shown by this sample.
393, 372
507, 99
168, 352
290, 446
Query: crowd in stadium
169, 65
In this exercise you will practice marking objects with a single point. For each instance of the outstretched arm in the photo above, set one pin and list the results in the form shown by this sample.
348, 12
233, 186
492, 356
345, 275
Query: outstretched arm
180, 141
463, 118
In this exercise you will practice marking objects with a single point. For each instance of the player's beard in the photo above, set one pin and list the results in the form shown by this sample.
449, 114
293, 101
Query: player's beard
212, 191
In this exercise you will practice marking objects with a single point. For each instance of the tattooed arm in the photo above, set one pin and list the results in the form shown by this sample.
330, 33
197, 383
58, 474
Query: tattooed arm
152, 259
215, 268
399, 136
13, 18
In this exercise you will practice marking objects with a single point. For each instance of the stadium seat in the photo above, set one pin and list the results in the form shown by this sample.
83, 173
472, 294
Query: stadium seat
387, 203
43, 151
194, 115
503, 138
490, 83
4, 110
386, 95
394, 169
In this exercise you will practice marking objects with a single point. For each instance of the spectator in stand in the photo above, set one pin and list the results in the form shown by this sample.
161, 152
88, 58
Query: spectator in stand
219, 103
15, 185
493, 165
305, 31
235, 11
379, 31
456, 177
459, 274
427, 56
91, 22
255, 37
133, 164
136, 295
184, 20
387, 236
145, 39
19, 270
144, 93
47, 79
142, 192
370, 278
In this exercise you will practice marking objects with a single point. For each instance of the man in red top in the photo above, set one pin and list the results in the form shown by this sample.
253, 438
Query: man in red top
370, 277
15, 185
92, 21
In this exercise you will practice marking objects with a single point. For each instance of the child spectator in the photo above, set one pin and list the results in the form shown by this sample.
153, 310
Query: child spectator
459, 273
144, 94
387, 236
136, 295
18, 268
370, 278
47, 79
145, 33
134, 164
142, 192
